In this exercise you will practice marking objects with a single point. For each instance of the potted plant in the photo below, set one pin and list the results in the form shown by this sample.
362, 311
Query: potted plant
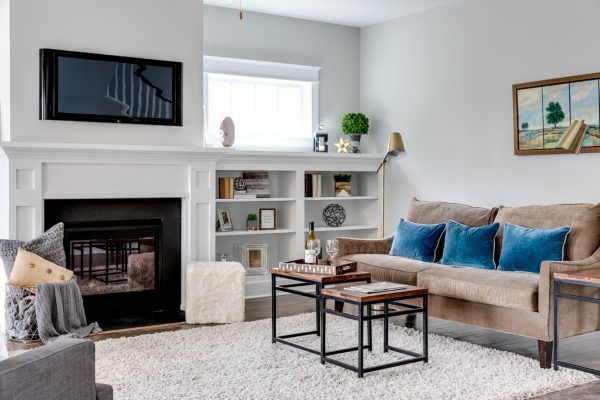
342, 184
252, 222
355, 125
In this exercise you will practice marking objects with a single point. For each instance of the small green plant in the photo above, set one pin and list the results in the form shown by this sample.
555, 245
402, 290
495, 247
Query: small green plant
355, 124
342, 177
252, 217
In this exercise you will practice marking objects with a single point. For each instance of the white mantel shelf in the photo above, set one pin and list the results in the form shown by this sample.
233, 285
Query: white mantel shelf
55, 151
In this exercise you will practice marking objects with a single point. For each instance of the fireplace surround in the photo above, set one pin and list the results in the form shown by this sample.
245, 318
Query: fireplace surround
125, 253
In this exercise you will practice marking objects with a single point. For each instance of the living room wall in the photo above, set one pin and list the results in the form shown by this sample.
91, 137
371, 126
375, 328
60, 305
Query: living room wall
444, 79
168, 30
265, 37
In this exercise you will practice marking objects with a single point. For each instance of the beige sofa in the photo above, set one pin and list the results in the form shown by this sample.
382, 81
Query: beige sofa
514, 302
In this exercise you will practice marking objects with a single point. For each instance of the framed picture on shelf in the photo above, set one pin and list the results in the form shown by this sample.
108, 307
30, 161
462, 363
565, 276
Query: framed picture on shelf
224, 220
254, 258
267, 218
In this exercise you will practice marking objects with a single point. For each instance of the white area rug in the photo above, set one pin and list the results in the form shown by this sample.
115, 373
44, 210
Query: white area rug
238, 361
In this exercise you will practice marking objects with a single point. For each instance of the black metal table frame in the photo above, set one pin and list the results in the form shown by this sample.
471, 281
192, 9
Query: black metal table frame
361, 318
558, 295
289, 288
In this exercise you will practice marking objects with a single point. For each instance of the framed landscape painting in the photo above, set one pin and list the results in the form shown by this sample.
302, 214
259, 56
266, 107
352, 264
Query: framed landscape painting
544, 110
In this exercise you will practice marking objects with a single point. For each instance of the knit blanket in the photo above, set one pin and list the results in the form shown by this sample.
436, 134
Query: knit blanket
59, 311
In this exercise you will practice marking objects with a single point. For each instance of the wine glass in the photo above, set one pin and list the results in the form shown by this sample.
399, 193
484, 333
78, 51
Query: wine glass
332, 247
314, 248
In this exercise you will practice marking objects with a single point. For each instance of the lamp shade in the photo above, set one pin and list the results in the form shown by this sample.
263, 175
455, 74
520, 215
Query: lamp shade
395, 145
573, 138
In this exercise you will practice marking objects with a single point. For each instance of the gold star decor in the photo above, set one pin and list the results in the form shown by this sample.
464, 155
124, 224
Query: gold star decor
343, 146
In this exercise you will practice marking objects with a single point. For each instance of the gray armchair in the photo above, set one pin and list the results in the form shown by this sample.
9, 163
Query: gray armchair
61, 370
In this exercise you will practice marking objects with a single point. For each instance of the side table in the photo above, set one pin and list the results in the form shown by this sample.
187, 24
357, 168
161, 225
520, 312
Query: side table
585, 278
362, 300
303, 279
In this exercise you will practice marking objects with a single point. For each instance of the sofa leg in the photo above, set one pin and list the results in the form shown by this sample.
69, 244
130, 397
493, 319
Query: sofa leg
545, 352
411, 320
339, 306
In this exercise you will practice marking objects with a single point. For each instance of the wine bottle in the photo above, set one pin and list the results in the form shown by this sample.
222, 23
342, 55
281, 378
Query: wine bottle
309, 256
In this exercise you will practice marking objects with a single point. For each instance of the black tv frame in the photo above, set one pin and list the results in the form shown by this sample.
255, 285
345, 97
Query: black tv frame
49, 88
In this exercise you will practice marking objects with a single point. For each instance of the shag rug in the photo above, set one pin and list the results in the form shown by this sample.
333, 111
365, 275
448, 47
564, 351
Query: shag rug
238, 361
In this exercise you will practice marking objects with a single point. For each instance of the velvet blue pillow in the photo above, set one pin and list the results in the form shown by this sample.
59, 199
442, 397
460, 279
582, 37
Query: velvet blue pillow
524, 249
469, 246
417, 241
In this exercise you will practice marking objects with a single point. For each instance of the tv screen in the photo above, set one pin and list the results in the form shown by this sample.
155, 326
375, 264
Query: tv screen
96, 87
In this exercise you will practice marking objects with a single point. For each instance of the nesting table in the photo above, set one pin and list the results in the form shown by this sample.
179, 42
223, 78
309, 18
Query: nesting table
366, 300
306, 280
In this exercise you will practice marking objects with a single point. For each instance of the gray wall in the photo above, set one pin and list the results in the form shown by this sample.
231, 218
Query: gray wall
444, 79
264, 37
167, 30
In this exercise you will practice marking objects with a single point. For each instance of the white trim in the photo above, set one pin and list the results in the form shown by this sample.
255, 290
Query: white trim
261, 69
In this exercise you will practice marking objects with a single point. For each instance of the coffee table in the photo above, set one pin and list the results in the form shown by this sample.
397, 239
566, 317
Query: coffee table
302, 280
362, 300
582, 278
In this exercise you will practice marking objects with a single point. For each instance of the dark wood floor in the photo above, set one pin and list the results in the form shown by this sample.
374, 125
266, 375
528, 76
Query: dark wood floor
583, 350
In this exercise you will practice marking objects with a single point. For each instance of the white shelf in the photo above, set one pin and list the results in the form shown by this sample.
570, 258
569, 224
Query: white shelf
341, 198
256, 200
250, 233
343, 228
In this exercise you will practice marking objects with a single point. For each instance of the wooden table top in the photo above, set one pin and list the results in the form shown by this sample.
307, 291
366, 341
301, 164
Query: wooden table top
589, 276
324, 279
341, 292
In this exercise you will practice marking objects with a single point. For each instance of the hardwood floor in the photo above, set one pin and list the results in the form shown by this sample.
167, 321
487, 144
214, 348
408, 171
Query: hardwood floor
582, 349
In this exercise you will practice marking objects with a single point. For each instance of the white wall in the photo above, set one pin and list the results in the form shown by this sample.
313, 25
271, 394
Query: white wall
4, 70
264, 37
443, 78
169, 30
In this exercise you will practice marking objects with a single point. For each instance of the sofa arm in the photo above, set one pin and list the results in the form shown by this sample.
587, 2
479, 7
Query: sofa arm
61, 370
577, 312
348, 246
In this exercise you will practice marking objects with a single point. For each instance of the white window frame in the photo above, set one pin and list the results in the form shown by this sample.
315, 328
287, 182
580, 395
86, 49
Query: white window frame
269, 70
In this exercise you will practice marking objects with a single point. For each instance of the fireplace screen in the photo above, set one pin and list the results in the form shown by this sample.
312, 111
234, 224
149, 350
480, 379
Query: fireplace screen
122, 257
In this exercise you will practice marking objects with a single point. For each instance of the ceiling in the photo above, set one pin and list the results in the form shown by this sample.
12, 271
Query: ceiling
357, 13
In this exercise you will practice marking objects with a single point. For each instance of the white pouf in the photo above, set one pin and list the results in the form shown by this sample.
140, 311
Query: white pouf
215, 292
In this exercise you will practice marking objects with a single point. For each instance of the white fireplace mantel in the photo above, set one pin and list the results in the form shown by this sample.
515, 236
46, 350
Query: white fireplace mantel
32, 172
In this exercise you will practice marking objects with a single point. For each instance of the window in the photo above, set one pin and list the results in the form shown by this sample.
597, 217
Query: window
273, 106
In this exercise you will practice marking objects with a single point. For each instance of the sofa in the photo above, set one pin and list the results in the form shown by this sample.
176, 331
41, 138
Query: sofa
61, 370
519, 303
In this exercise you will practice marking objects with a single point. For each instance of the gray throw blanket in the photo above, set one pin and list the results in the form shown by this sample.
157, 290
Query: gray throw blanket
59, 312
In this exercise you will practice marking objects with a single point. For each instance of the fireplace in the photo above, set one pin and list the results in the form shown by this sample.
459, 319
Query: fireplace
125, 254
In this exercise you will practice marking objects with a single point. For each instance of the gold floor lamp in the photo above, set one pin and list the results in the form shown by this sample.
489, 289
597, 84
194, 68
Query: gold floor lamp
395, 148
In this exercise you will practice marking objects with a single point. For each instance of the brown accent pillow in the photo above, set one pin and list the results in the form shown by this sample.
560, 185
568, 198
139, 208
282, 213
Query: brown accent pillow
29, 270
439, 212
584, 220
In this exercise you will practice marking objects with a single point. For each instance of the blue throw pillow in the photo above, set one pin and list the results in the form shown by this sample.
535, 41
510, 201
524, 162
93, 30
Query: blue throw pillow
417, 241
468, 246
524, 249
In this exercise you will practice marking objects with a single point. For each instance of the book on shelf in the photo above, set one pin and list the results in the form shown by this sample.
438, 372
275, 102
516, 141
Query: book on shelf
226, 188
244, 196
377, 287
257, 183
312, 185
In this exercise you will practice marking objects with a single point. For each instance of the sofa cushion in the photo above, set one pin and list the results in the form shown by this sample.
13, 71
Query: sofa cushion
584, 220
506, 289
417, 241
388, 268
525, 248
470, 246
438, 212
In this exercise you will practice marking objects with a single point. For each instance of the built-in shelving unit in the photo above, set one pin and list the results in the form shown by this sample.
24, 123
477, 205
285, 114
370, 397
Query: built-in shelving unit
293, 209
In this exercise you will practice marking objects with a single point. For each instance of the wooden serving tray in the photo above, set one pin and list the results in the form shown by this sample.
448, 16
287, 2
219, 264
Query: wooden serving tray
324, 267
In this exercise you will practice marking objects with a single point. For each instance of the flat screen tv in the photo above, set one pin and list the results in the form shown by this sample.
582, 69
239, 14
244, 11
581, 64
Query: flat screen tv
96, 87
